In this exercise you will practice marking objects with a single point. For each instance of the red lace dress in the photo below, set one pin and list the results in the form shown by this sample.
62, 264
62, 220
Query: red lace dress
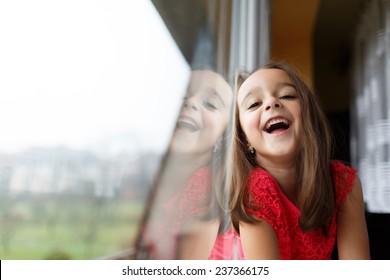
193, 200
267, 201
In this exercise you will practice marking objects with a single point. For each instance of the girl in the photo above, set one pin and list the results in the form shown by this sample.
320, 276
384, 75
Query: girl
288, 199
185, 213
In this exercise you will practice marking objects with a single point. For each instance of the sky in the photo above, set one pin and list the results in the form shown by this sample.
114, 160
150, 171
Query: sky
104, 75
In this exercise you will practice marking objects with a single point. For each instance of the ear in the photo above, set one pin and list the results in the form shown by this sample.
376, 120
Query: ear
248, 145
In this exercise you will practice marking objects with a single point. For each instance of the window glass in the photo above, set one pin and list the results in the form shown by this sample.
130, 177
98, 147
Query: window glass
89, 96
371, 107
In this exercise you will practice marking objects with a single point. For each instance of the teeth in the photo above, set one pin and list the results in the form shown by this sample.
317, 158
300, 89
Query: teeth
185, 120
275, 121
187, 123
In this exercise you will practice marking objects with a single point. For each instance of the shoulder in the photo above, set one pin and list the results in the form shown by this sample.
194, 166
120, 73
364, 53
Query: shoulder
260, 179
344, 179
195, 195
191, 200
261, 183
261, 192
259, 239
341, 169
199, 181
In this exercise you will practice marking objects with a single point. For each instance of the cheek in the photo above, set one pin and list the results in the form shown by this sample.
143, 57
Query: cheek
214, 122
297, 111
298, 116
250, 122
247, 127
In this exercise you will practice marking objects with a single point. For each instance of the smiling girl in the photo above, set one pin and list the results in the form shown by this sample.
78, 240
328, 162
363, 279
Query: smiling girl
288, 199
185, 218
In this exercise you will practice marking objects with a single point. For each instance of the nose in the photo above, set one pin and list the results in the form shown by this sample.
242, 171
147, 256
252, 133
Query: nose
190, 103
272, 103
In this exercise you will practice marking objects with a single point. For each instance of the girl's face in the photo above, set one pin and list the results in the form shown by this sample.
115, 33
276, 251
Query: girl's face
204, 114
270, 116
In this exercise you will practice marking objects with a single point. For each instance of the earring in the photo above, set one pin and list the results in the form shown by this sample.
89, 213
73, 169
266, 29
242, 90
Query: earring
218, 145
252, 150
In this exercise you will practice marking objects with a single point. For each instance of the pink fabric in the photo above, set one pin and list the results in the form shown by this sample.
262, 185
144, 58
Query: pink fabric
227, 246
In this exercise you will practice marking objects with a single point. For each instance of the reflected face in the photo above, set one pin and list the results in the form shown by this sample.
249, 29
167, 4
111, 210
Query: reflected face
270, 115
204, 114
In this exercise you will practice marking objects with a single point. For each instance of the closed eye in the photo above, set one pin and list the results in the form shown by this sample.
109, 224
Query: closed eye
209, 105
254, 105
288, 97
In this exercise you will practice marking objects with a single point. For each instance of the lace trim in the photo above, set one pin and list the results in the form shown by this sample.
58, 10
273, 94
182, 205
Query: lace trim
193, 199
263, 198
343, 180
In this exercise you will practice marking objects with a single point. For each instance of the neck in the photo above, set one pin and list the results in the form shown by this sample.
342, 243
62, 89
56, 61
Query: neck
188, 163
286, 175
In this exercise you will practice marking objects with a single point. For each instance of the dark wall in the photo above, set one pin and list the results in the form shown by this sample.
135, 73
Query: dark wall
332, 51
339, 122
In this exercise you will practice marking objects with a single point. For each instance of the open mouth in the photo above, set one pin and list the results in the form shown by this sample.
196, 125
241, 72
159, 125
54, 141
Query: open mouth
185, 124
277, 125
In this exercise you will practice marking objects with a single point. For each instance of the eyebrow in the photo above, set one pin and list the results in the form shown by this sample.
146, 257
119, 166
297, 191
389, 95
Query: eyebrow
253, 91
282, 85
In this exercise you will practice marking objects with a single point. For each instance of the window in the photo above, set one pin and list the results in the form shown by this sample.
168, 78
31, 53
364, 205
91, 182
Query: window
370, 139
89, 94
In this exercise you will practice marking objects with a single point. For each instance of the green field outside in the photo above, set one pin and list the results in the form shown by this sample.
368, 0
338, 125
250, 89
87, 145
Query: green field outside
66, 227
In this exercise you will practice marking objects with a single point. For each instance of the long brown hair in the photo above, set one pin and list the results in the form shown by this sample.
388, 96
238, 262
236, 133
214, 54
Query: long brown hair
316, 197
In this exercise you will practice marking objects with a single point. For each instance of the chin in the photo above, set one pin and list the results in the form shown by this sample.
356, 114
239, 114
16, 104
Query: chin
280, 152
180, 149
179, 146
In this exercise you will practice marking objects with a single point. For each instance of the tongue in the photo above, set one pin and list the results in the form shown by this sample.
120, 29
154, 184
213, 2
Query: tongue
277, 130
278, 127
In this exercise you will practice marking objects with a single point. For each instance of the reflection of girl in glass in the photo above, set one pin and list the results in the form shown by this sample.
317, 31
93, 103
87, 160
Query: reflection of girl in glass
288, 199
186, 213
